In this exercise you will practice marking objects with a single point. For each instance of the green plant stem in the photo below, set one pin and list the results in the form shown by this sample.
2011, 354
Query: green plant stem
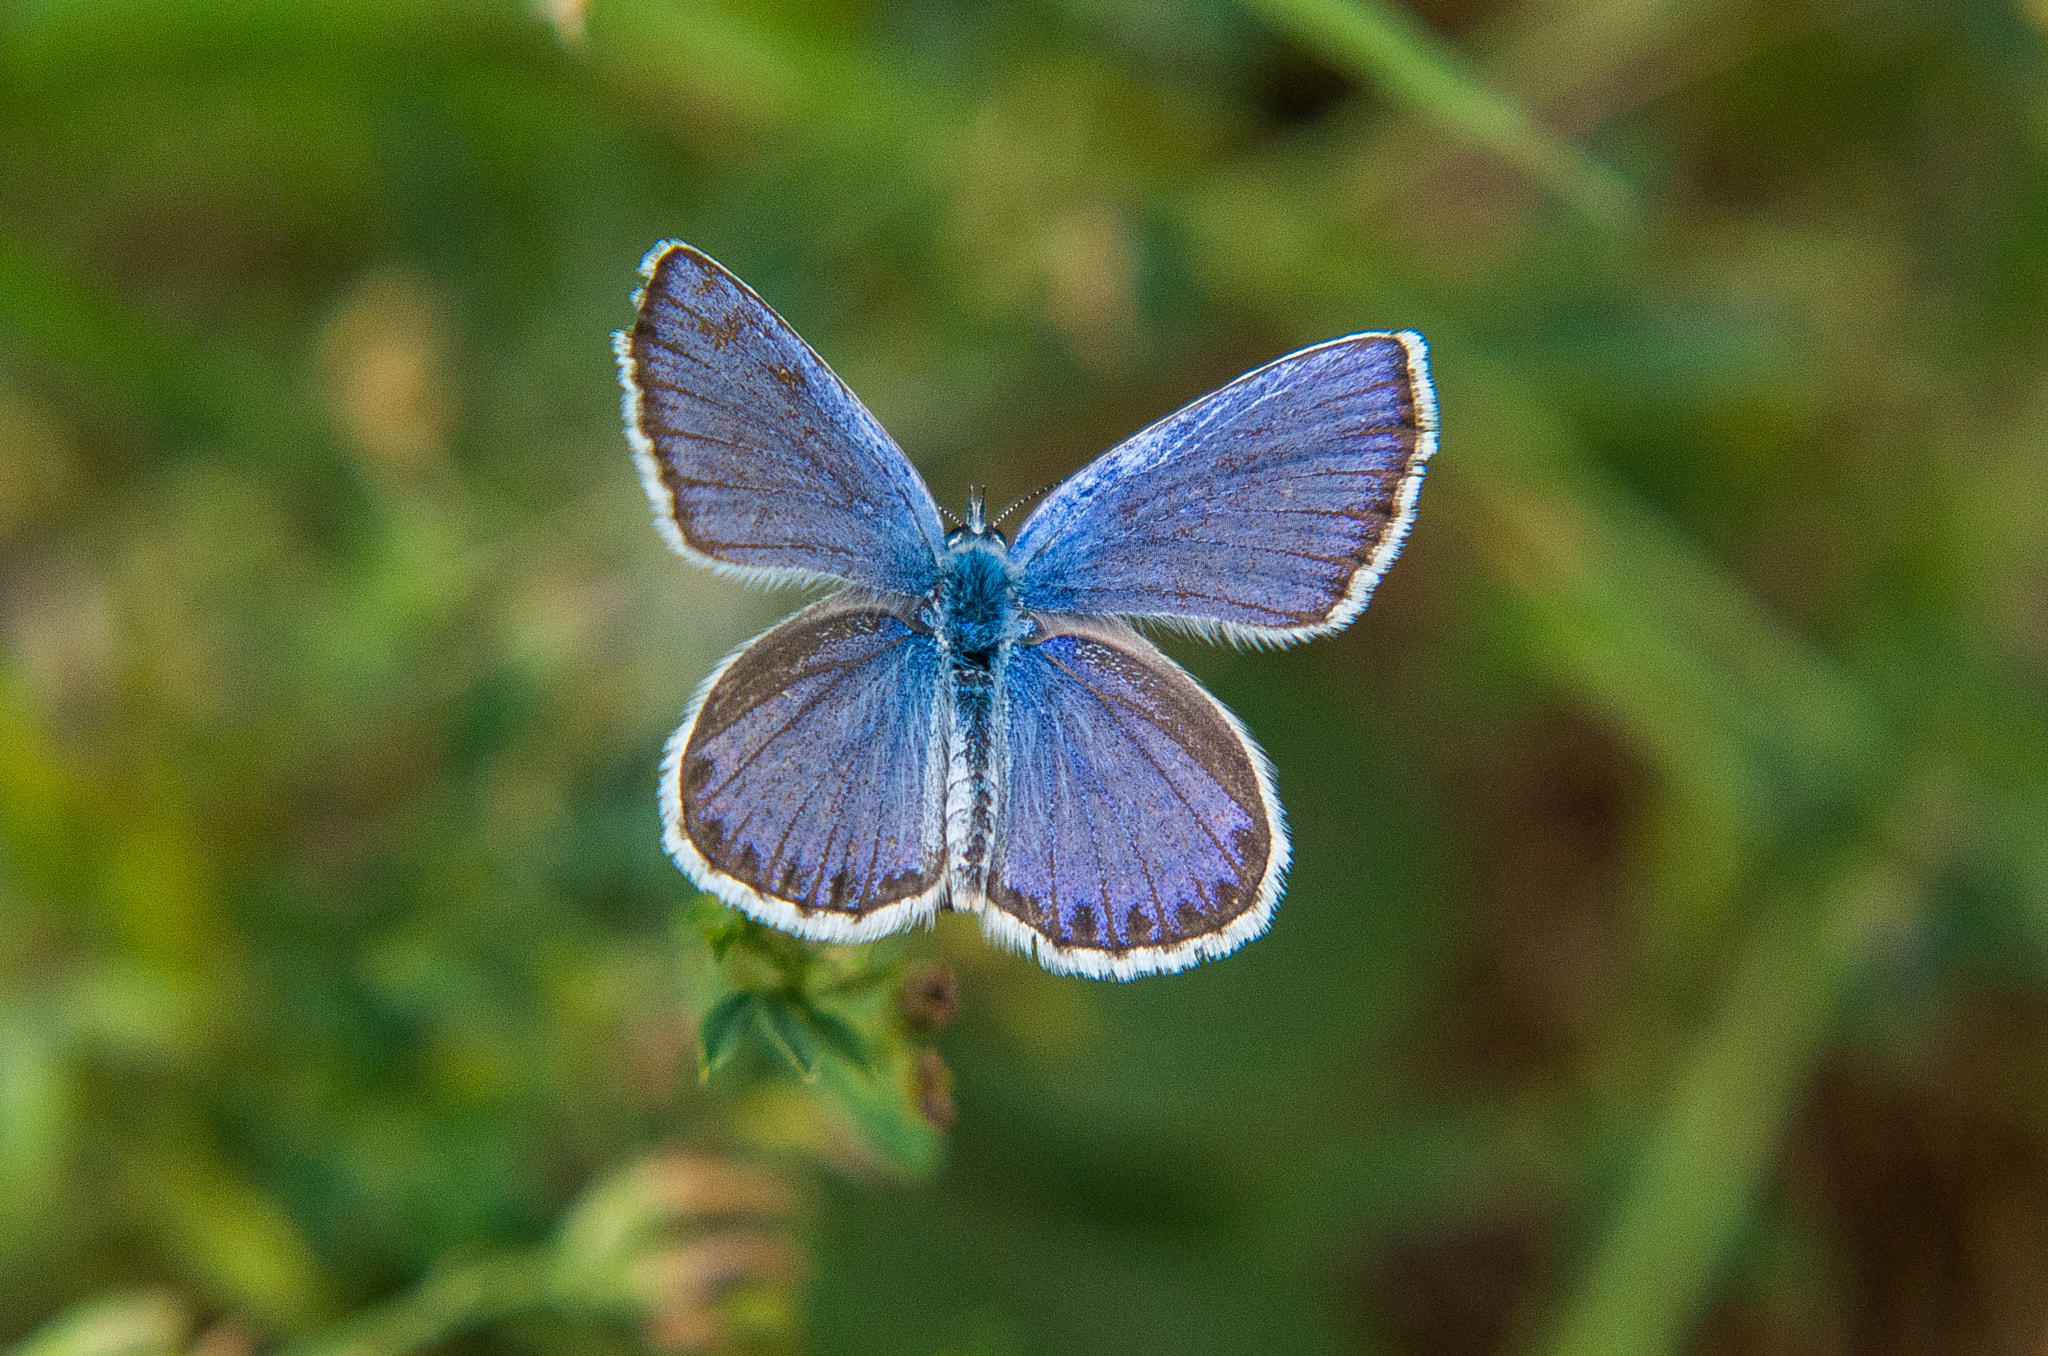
454, 1300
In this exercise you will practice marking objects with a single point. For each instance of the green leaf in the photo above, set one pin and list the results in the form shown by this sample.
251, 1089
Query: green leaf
719, 1035
888, 1122
863, 980
840, 1037
787, 1032
721, 936
238, 1236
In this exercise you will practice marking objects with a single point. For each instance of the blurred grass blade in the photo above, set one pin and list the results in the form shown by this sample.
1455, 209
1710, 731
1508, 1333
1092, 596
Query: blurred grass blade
36, 1114
1384, 44
239, 1238
450, 1301
1694, 1184
140, 1323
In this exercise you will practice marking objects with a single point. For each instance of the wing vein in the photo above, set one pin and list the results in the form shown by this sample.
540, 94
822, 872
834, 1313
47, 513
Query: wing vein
1179, 795
845, 671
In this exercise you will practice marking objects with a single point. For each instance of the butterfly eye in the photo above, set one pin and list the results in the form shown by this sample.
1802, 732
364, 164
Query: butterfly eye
972, 533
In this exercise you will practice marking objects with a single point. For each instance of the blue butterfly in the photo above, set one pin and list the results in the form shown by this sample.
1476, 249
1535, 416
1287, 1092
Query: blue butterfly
972, 725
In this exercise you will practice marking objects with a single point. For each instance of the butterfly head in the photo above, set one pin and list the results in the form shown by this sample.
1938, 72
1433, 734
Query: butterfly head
977, 528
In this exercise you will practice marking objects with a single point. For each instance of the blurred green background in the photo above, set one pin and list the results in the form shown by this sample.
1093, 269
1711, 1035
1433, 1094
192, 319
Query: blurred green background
1665, 965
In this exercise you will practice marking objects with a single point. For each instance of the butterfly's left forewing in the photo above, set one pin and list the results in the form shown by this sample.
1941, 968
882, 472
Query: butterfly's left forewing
806, 786
757, 458
1139, 832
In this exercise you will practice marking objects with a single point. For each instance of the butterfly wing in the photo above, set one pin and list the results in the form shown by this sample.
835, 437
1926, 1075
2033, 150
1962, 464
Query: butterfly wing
1267, 509
807, 784
1139, 832
757, 458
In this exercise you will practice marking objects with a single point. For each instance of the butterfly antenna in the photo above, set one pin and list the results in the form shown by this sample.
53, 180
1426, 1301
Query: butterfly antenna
975, 524
952, 518
1019, 502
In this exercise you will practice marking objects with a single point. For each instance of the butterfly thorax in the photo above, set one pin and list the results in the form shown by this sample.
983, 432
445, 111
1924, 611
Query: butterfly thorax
977, 597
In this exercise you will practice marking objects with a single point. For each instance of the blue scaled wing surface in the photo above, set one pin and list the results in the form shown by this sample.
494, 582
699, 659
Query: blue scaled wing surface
1139, 832
757, 458
807, 784
1267, 510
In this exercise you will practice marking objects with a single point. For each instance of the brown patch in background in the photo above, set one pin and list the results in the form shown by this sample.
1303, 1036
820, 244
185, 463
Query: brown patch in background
1931, 1182
1923, 1181
1549, 944
1544, 952
1457, 1292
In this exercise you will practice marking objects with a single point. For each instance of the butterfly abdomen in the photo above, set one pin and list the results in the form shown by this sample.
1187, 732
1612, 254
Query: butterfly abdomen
970, 789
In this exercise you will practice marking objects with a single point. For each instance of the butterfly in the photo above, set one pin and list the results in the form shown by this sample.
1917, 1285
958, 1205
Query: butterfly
971, 724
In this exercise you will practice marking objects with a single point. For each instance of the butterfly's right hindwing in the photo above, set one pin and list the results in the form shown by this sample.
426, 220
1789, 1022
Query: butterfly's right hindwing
757, 458
807, 785
1139, 832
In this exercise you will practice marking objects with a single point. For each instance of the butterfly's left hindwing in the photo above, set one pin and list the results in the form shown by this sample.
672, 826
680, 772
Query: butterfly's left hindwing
1139, 831
806, 787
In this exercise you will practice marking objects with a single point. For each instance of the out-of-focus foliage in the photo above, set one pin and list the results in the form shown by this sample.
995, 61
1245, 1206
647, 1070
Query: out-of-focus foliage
1665, 966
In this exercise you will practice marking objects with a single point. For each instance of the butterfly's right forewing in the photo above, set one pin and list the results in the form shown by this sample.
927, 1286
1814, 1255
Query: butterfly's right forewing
757, 458
1267, 510
807, 785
